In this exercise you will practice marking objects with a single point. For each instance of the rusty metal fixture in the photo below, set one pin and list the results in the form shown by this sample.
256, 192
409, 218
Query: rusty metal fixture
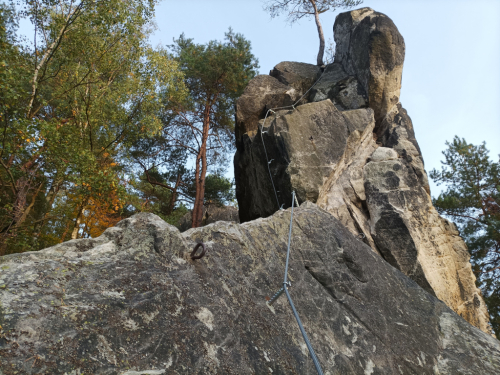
202, 254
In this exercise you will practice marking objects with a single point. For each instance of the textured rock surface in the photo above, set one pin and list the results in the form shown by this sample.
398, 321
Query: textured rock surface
412, 236
303, 146
263, 92
396, 131
370, 47
300, 76
132, 302
343, 90
335, 152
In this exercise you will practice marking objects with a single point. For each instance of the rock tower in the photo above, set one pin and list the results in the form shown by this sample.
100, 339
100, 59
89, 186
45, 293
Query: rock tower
349, 146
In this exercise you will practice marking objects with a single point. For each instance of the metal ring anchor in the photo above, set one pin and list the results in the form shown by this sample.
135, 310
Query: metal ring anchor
202, 254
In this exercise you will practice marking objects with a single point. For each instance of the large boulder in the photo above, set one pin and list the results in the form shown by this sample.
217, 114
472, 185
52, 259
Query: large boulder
370, 48
133, 302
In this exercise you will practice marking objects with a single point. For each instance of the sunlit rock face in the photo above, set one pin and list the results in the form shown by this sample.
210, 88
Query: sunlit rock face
349, 146
133, 302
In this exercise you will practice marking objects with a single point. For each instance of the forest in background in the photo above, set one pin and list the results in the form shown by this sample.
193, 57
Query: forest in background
97, 125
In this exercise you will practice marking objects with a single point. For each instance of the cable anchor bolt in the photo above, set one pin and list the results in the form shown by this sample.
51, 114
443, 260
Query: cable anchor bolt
278, 293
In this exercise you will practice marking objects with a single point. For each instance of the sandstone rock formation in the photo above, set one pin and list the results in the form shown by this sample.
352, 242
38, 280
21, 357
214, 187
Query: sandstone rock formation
370, 47
133, 302
350, 147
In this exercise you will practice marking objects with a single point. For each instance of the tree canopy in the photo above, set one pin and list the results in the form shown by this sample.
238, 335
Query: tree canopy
202, 122
71, 101
471, 200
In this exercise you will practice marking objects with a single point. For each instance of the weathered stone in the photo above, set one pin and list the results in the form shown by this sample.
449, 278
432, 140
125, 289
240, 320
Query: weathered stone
383, 154
303, 146
396, 131
370, 48
343, 193
300, 76
133, 302
344, 91
412, 236
262, 93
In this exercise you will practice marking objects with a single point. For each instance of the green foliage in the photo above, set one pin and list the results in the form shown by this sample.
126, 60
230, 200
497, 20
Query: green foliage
200, 122
87, 100
69, 108
297, 9
472, 200
219, 190
156, 199
217, 72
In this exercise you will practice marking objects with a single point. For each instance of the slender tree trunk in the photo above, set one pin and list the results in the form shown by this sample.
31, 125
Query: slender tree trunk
27, 210
78, 221
201, 172
320, 33
50, 198
173, 198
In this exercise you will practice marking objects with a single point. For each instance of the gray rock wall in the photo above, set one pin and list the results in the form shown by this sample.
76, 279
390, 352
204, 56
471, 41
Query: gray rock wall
370, 47
133, 302
350, 147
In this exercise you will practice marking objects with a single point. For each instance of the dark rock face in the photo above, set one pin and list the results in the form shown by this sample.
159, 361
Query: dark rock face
133, 302
370, 47
300, 76
343, 90
263, 92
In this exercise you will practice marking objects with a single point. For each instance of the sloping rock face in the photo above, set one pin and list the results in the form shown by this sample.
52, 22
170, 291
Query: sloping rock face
350, 146
133, 302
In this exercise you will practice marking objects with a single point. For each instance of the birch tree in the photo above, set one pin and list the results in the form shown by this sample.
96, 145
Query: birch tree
71, 99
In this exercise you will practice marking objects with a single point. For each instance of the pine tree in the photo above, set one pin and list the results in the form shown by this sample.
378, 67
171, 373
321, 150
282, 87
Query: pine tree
471, 200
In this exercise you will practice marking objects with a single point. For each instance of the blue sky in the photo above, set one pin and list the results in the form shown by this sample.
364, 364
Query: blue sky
451, 76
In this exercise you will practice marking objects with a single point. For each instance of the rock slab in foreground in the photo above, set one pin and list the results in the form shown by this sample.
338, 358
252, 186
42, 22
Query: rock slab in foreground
132, 302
